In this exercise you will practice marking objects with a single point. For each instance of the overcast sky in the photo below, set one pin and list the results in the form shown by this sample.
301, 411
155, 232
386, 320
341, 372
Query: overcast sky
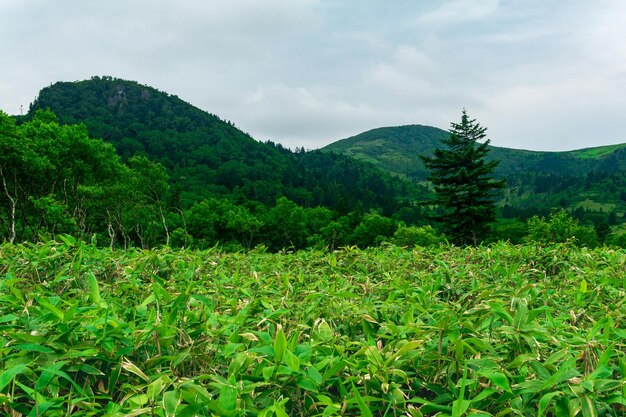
539, 74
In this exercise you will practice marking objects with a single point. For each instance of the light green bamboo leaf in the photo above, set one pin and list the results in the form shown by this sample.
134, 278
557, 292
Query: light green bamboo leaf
588, 407
47, 376
280, 344
606, 356
279, 409
521, 314
94, 288
42, 407
139, 412
292, 361
497, 378
171, 402
33, 347
228, 398
65, 376
544, 402
566, 371
8, 374
499, 310
363, 407
52, 309
131, 367
8, 317
314, 374
601, 372
484, 394
307, 384
154, 389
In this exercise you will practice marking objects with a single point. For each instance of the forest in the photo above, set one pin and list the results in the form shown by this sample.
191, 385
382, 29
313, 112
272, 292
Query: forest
120, 164
158, 261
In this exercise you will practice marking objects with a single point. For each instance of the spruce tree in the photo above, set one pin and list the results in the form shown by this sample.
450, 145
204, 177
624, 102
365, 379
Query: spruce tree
464, 184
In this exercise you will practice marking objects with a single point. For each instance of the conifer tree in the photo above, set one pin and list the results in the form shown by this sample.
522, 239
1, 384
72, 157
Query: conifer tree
464, 183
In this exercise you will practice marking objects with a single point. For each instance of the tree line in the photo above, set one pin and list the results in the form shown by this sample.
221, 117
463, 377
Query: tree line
55, 179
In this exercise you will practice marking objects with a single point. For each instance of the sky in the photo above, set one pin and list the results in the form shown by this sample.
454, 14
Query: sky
538, 74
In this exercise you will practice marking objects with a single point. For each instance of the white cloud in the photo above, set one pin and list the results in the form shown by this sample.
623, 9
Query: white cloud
309, 72
455, 11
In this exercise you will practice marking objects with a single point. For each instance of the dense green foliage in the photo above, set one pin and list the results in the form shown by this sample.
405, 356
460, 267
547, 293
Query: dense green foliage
505, 330
208, 157
464, 183
589, 183
186, 178
54, 179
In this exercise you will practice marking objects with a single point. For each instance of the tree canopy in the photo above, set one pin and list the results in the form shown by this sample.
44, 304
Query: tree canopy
463, 181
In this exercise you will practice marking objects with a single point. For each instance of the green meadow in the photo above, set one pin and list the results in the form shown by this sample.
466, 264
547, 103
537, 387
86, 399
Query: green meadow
502, 330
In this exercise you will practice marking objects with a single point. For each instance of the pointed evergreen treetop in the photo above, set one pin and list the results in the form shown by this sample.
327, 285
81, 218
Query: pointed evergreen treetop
464, 184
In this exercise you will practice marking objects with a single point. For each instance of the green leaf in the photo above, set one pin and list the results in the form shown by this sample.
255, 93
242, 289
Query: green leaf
497, 378
47, 376
8, 374
484, 394
171, 402
292, 361
279, 409
308, 384
363, 407
228, 398
41, 408
154, 389
131, 367
544, 402
8, 317
94, 289
499, 310
34, 347
280, 344
566, 371
314, 374
55, 311
65, 376
588, 407
521, 314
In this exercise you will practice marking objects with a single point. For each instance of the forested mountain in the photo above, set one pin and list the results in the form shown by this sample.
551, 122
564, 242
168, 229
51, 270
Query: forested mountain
124, 164
589, 182
206, 156
121, 164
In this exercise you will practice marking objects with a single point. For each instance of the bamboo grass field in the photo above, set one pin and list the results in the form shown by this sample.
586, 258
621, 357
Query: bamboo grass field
500, 330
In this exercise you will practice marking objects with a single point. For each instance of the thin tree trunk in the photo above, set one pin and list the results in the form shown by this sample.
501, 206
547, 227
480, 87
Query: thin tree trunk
164, 223
182, 216
12, 208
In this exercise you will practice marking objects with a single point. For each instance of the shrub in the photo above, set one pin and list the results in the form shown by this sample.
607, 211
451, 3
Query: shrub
417, 236
560, 227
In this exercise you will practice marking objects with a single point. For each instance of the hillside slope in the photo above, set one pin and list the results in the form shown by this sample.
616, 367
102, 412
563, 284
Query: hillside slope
207, 156
590, 179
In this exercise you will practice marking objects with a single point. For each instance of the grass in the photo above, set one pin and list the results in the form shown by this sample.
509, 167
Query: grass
591, 205
497, 331
597, 152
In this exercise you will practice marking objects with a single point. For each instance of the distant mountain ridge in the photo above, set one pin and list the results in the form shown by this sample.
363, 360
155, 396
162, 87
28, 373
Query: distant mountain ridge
206, 156
379, 169
397, 150
592, 178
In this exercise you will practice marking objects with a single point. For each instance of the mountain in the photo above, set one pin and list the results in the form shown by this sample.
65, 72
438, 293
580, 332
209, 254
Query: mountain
591, 181
206, 156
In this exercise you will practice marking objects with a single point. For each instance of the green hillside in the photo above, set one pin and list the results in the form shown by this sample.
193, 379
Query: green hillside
206, 156
184, 176
537, 181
